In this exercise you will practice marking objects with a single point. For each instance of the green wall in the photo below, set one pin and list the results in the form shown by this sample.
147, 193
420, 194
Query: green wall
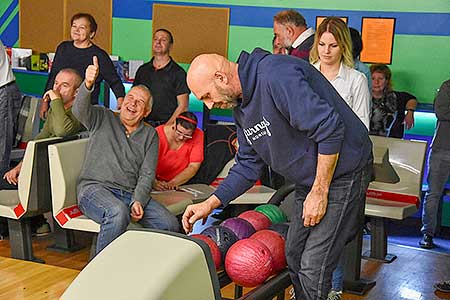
131, 38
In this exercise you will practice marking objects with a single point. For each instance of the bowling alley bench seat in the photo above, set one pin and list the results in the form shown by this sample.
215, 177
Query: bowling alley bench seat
33, 197
163, 265
396, 191
30, 128
66, 161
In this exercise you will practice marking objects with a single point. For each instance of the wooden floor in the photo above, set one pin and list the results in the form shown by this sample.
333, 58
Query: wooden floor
410, 276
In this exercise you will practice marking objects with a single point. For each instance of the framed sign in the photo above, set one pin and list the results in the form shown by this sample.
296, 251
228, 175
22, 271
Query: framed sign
378, 39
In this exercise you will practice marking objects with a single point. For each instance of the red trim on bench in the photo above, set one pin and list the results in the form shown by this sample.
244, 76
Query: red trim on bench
393, 197
61, 218
19, 210
68, 213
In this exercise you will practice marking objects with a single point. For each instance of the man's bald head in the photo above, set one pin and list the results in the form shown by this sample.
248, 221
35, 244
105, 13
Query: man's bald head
202, 70
214, 80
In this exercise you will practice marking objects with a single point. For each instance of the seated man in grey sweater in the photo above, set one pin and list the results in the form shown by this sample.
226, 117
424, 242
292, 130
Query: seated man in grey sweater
119, 169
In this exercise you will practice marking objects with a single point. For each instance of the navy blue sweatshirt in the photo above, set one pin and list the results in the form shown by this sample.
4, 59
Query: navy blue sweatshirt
288, 114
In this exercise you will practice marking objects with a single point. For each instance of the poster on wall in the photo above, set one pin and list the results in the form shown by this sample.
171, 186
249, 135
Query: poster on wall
195, 29
319, 20
378, 39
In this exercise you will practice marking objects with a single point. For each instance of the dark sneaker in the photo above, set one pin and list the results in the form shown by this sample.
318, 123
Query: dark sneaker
366, 229
427, 242
443, 286
42, 230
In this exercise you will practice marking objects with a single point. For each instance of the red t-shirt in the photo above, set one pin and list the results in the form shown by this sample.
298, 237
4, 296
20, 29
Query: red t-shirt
172, 162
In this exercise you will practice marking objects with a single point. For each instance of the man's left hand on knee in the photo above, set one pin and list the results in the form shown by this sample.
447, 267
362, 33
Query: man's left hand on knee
137, 212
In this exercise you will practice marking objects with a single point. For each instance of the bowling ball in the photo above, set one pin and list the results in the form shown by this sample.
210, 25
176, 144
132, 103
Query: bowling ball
273, 212
222, 236
248, 262
281, 228
257, 219
215, 251
275, 242
241, 228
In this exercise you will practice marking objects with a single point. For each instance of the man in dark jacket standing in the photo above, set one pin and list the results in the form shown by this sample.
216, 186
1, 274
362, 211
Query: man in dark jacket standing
290, 32
438, 167
289, 117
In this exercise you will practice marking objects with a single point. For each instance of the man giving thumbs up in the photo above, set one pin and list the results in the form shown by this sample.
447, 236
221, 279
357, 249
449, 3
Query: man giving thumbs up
119, 168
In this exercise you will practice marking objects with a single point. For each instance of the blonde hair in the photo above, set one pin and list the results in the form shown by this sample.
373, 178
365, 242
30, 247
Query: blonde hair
341, 33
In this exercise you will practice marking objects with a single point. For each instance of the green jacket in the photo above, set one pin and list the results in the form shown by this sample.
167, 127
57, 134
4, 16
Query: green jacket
60, 122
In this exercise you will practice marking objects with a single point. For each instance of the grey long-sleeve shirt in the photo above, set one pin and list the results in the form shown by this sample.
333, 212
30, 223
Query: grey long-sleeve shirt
112, 158
442, 110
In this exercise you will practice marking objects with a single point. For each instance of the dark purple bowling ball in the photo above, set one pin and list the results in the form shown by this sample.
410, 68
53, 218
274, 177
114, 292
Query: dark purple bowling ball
241, 228
222, 236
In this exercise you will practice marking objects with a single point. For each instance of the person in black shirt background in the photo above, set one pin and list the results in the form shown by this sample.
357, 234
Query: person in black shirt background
166, 81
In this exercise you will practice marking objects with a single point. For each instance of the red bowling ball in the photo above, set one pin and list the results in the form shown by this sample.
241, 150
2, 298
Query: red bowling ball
275, 243
248, 262
215, 252
257, 219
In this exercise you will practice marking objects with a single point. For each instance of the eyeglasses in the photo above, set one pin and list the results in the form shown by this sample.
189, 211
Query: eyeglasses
186, 136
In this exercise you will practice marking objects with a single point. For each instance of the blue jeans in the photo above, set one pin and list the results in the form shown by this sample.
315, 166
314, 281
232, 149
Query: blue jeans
337, 283
312, 253
438, 173
10, 102
110, 208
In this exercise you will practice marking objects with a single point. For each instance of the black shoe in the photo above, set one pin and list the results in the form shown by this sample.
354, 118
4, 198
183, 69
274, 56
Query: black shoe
443, 286
366, 229
427, 242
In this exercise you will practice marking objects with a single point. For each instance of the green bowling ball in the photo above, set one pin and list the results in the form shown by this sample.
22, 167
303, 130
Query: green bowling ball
273, 212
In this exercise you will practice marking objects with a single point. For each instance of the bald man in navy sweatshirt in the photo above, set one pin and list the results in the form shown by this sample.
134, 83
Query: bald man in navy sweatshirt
290, 117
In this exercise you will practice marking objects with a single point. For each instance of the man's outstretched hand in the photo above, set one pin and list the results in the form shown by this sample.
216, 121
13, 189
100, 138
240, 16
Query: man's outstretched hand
199, 211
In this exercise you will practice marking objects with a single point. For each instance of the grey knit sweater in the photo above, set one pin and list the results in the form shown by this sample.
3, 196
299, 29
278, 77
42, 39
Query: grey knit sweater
112, 158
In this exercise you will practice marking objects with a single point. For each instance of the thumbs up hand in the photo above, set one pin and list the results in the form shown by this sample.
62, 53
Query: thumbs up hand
91, 73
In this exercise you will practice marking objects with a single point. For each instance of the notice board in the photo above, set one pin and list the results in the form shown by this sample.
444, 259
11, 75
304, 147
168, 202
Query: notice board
43, 24
195, 29
378, 39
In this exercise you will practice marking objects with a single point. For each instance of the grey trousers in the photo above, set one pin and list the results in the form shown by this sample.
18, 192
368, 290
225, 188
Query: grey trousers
10, 102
